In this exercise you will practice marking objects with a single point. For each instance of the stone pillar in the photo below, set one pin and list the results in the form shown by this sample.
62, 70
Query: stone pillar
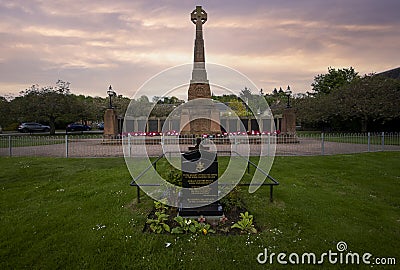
185, 122
272, 125
110, 124
215, 122
289, 122
278, 122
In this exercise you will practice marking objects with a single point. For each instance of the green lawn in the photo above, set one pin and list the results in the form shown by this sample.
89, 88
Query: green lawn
82, 213
42, 139
363, 139
23, 141
356, 138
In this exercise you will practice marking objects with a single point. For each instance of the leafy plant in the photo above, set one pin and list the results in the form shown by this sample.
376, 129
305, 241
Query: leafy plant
246, 224
160, 207
158, 225
174, 177
232, 201
222, 224
185, 225
202, 228
191, 226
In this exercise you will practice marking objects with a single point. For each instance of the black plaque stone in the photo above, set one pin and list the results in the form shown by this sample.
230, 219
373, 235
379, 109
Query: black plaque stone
199, 171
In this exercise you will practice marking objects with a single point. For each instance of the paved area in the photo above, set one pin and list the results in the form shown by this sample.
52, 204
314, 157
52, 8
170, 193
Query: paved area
97, 148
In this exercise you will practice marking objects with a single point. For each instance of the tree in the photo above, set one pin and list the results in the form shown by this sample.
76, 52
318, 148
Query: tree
157, 99
225, 98
45, 104
254, 102
164, 105
167, 100
315, 111
238, 107
370, 99
245, 93
121, 104
276, 100
333, 80
4, 112
140, 107
86, 108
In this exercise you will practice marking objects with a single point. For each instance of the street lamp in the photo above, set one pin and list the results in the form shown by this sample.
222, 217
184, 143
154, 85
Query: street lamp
111, 93
288, 93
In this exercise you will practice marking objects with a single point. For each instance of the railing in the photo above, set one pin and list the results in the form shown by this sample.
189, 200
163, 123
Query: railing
153, 165
97, 146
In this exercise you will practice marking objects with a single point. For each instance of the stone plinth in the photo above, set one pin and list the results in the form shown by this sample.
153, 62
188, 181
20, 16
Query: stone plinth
288, 122
199, 118
110, 124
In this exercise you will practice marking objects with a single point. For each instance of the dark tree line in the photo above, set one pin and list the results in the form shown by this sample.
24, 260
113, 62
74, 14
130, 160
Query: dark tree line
341, 100
344, 101
55, 106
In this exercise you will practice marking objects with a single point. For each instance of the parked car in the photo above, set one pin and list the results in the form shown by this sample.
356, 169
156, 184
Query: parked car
100, 126
32, 127
78, 127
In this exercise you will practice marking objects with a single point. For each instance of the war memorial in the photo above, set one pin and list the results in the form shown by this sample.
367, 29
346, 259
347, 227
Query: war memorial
195, 148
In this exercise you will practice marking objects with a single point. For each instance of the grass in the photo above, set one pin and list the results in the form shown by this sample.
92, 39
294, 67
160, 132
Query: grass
82, 213
356, 138
363, 139
28, 140
25, 140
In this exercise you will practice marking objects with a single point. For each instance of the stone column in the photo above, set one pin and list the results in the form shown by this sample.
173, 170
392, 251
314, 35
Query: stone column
289, 122
110, 124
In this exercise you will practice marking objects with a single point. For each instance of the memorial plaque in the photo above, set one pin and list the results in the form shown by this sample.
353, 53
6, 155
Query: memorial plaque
199, 171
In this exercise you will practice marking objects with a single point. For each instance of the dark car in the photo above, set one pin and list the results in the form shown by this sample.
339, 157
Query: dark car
78, 127
32, 127
100, 126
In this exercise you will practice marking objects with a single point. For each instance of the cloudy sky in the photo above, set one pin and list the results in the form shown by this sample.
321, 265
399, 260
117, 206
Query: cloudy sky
93, 44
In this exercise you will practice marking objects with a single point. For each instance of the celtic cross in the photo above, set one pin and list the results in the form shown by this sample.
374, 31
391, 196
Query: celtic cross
199, 17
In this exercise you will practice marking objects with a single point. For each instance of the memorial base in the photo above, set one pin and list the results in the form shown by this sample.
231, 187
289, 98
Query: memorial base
211, 210
110, 124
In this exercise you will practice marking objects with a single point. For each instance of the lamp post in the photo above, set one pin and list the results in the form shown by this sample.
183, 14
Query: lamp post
111, 93
288, 93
